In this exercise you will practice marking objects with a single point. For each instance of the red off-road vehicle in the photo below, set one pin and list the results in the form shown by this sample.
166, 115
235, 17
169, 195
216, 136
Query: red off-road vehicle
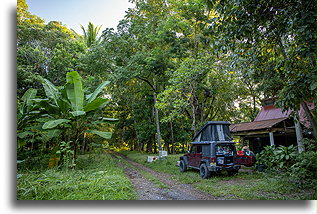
212, 150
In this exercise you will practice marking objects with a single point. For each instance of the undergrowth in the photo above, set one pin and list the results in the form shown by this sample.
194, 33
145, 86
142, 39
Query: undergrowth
96, 177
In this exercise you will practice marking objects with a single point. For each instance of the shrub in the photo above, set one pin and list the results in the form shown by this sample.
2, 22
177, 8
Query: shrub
304, 169
300, 167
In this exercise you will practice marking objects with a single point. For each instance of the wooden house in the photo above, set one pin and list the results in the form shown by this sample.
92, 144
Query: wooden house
271, 126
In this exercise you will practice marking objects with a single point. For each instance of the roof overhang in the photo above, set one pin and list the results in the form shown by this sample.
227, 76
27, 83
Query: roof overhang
262, 126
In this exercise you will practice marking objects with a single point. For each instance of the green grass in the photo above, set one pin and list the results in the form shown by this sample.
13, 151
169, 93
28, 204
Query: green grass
245, 185
147, 175
96, 178
255, 186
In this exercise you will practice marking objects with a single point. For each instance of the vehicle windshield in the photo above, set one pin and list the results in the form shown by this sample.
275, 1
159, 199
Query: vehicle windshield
224, 149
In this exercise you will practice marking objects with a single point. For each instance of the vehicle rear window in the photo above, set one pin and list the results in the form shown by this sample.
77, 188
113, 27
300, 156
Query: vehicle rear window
224, 149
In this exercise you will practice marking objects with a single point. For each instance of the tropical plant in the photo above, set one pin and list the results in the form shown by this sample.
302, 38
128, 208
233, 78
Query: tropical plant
26, 116
285, 156
69, 112
303, 171
91, 34
277, 158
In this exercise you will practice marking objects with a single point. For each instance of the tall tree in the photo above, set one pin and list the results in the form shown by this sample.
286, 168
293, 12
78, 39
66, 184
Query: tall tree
50, 50
91, 34
279, 39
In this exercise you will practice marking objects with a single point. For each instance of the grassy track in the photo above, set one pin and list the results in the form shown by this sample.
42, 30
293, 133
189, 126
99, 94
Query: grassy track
245, 185
98, 177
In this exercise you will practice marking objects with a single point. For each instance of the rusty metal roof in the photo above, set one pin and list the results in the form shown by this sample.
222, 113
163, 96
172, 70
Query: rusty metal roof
268, 117
255, 125
271, 112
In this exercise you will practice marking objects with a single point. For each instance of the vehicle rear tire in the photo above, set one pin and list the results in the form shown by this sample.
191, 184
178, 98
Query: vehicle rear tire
182, 166
204, 172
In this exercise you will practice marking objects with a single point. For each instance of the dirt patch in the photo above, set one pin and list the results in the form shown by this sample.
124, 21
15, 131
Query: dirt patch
148, 191
233, 182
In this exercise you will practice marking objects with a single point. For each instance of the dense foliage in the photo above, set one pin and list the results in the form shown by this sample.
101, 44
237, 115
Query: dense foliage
299, 167
173, 65
168, 68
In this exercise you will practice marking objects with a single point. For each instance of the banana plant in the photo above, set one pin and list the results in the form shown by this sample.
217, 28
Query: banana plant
70, 111
27, 118
74, 104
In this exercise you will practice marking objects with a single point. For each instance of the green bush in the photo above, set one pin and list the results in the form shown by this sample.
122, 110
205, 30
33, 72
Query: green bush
304, 169
277, 158
300, 167
266, 157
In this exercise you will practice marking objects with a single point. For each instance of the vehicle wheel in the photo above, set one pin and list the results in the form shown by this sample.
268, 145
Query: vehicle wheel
182, 166
204, 172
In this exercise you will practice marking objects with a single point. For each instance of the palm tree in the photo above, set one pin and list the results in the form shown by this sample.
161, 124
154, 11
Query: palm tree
91, 34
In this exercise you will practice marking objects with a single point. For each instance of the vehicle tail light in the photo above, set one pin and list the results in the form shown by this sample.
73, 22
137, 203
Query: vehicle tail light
240, 153
213, 160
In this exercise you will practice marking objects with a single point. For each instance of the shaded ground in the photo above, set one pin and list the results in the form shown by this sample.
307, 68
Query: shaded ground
147, 190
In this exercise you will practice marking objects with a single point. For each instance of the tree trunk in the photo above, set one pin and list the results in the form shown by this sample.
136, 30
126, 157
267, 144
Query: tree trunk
299, 135
84, 144
154, 146
172, 138
153, 86
157, 124
194, 118
149, 147
309, 117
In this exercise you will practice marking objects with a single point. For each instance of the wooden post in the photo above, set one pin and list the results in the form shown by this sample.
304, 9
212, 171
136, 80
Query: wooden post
271, 138
242, 141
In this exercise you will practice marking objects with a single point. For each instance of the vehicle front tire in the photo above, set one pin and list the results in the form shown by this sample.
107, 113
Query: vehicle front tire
182, 166
204, 172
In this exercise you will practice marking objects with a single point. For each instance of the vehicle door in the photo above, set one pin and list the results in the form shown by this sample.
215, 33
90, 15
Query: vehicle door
191, 155
199, 155
195, 155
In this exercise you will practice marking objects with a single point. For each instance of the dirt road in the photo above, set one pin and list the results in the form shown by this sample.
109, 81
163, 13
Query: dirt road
147, 190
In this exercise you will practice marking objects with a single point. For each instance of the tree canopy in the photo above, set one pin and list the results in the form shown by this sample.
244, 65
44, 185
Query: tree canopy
173, 65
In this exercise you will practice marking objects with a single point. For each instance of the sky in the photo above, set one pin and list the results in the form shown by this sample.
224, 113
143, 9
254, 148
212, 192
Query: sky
74, 13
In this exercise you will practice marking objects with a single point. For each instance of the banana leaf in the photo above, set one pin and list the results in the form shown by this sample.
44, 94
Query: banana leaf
53, 133
106, 135
53, 123
93, 96
95, 104
24, 134
103, 120
28, 97
50, 90
75, 91
77, 113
